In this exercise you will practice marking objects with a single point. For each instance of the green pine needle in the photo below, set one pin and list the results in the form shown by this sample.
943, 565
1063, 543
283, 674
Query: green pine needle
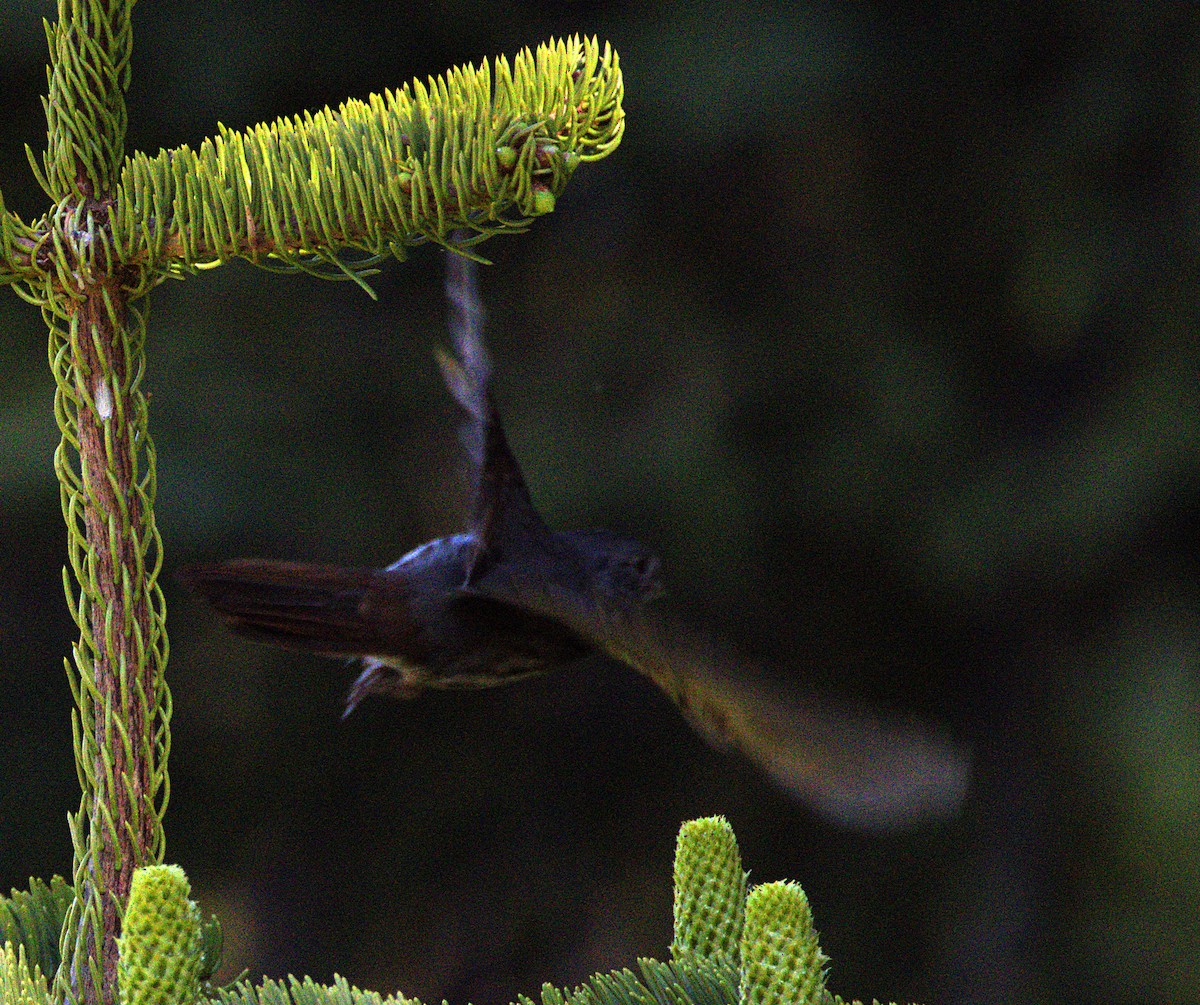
21, 983
484, 149
32, 921
304, 992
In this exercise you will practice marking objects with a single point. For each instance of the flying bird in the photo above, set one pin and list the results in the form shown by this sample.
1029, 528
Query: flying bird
509, 598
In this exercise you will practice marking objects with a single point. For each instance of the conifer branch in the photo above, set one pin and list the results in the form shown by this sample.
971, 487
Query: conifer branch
483, 149
105, 465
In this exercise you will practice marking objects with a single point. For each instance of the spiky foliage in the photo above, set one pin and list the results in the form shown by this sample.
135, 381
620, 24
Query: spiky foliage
32, 920
692, 981
107, 473
21, 983
91, 44
304, 992
710, 891
476, 150
484, 149
161, 946
105, 466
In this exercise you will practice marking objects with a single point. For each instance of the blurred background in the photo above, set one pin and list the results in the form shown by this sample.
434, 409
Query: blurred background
878, 327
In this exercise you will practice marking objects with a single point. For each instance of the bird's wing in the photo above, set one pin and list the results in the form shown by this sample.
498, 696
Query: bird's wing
852, 767
504, 522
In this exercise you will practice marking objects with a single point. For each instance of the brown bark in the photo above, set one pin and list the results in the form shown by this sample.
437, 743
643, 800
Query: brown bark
109, 468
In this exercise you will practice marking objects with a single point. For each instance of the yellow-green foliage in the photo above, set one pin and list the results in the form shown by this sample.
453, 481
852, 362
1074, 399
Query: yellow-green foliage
477, 148
160, 945
483, 149
20, 983
710, 891
479, 151
730, 947
33, 919
91, 45
306, 992
691, 981
782, 964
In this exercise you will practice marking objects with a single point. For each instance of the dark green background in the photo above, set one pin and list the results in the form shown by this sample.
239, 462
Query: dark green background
879, 327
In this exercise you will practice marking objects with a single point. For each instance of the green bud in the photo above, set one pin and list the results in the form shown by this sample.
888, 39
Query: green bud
710, 890
782, 963
160, 946
543, 201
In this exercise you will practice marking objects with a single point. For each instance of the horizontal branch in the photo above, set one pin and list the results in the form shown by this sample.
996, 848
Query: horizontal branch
475, 149
481, 149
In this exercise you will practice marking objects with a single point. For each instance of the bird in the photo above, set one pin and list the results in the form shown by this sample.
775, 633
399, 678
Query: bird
509, 598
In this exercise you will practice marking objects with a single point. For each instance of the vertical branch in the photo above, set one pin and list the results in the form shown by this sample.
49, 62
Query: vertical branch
106, 471
123, 704
90, 49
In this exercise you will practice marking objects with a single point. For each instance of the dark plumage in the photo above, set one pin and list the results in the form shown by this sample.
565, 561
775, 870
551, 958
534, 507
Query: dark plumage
510, 597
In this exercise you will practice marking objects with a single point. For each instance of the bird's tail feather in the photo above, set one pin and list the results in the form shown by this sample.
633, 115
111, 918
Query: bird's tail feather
326, 609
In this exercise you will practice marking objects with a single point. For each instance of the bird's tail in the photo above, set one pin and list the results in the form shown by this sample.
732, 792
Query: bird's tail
325, 609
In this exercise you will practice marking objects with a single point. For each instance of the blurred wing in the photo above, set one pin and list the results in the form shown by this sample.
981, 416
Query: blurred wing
853, 768
503, 518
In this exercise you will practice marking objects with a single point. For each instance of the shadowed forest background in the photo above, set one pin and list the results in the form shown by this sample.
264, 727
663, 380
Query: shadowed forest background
880, 327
